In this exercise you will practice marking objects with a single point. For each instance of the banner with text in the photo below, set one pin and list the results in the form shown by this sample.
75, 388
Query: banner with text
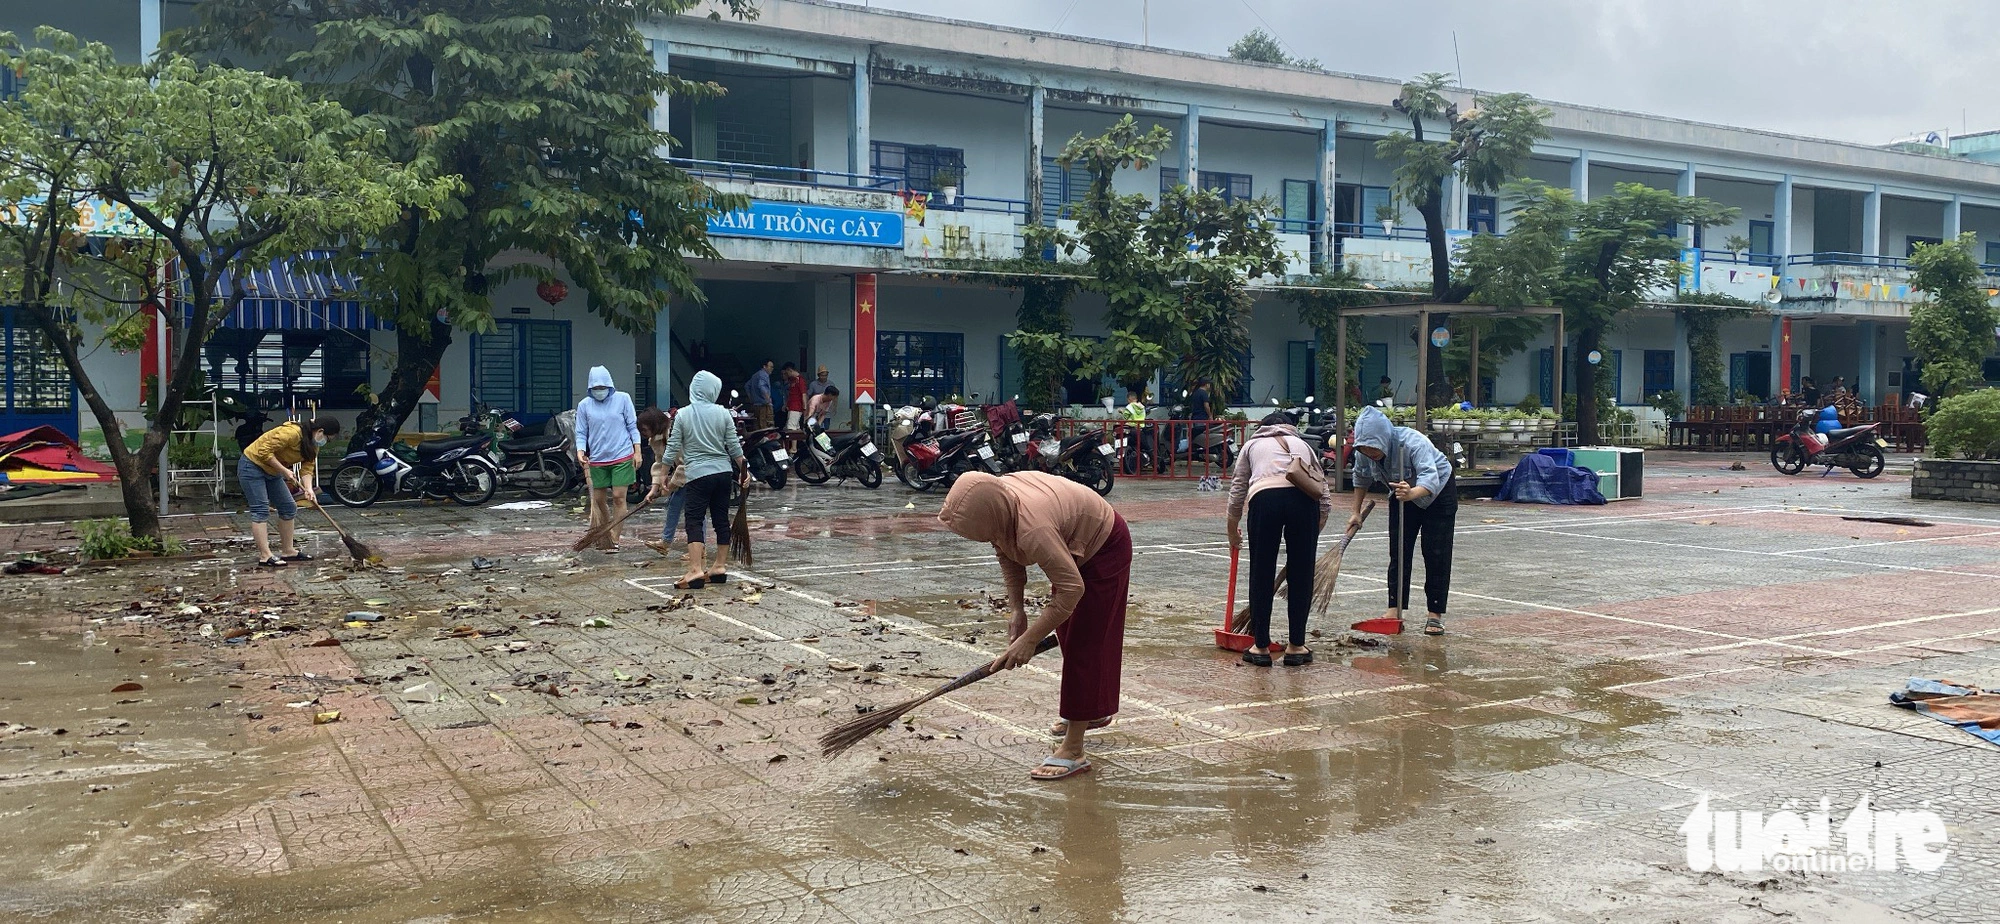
816, 224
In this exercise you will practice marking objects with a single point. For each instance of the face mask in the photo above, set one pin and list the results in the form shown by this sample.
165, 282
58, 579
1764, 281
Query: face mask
600, 393
319, 440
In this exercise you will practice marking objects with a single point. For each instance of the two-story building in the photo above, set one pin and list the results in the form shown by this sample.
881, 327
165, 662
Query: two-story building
839, 121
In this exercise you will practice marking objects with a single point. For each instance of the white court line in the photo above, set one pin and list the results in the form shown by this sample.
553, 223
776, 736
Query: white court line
1791, 555
1828, 633
1870, 545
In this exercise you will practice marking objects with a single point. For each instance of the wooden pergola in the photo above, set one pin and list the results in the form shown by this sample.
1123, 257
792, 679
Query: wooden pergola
1422, 312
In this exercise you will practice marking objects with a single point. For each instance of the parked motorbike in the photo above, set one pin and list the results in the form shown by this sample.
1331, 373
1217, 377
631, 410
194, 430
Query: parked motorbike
940, 458
529, 459
1202, 441
456, 468
763, 449
1085, 458
851, 456
911, 422
1857, 449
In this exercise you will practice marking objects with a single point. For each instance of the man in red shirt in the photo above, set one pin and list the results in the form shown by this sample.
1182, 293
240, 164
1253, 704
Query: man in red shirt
795, 402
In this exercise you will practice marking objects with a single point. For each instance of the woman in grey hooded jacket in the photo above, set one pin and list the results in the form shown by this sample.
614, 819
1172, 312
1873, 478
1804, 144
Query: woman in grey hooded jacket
704, 441
1419, 477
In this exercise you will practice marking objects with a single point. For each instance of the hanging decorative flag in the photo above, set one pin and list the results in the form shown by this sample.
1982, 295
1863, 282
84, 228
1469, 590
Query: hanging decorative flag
864, 338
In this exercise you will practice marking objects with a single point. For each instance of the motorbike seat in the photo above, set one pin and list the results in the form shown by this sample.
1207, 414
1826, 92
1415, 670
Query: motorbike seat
531, 445
1069, 441
1835, 436
949, 440
842, 442
430, 449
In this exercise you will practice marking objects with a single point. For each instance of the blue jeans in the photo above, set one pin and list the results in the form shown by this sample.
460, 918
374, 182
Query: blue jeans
263, 490
676, 504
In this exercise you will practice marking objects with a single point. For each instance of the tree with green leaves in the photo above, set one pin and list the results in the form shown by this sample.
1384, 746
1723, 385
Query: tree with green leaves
1595, 260
544, 107
1483, 147
1043, 340
222, 171
1952, 330
1319, 301
1264, 48
1703, 313
1174, 276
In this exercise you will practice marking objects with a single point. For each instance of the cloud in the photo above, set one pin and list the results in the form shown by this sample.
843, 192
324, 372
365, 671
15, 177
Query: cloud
1855, 70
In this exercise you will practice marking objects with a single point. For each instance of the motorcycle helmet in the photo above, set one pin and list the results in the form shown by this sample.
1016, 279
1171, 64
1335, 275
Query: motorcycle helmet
929, 403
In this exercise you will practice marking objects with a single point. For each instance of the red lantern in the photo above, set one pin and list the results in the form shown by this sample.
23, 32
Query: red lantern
552, 290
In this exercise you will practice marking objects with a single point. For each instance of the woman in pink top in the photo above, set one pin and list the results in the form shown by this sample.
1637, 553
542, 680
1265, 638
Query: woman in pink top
1277, 509
1084, 549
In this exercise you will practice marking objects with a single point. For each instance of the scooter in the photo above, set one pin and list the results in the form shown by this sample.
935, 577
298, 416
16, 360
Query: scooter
1857, 449
763, 449
529, 459
941, 458
910, 423
1085, 457
851, 456
456, 468
1202, 440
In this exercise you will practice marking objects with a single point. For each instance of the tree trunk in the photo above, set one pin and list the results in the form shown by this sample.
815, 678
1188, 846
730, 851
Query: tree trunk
1587, 339
1438, 389
416, 358
135, 472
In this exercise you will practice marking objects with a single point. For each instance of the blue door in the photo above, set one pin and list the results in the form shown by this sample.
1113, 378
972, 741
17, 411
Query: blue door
35, 386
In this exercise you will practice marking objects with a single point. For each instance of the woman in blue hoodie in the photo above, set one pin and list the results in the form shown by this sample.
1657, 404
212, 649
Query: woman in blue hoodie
607, 446
1419, 477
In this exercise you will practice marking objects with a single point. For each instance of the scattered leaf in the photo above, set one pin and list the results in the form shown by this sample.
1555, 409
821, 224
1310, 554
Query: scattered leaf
497, 698
326, 718
128, 688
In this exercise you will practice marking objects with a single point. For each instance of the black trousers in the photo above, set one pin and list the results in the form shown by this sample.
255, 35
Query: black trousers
1432, 527
709, 495
1293, 515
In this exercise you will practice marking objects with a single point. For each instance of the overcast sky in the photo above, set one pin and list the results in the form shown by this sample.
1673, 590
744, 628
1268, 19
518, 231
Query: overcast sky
1857, 70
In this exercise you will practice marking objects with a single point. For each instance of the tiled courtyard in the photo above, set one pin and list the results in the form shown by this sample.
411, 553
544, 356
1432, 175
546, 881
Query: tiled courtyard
501, 755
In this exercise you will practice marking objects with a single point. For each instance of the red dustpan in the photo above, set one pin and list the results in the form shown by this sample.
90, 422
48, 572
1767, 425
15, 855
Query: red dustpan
1225, 639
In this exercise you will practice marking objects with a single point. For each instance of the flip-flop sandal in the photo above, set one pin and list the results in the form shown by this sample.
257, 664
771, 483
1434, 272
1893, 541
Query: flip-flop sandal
696, 584
297, 556
722, 578
1257, 658
1298, 658
272, 562
1433, 626
1069, 769
1061, 727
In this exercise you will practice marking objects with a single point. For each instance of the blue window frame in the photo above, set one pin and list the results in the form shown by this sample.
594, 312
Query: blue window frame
911, 364
915, 164
1234, 187
1374, 367
1545, 376
1992, 253
1482, 214
524, 367
1657, 372
1763, 242
1372, 199
35, 386
1300, 206
1301, 369
1060, 189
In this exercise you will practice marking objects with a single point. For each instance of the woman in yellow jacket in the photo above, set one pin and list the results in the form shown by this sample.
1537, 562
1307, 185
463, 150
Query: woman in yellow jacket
265, 473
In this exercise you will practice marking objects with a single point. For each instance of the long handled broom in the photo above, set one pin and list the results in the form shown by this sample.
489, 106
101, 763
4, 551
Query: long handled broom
1326, 571
356, 549
739, 528
848, 734
598, 533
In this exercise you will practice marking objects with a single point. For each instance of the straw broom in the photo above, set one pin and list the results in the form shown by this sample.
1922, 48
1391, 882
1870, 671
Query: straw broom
739, 527
597, 533
848, 734
1325, 572
356, 549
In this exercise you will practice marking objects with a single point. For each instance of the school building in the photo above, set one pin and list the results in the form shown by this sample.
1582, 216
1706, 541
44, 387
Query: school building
840, 121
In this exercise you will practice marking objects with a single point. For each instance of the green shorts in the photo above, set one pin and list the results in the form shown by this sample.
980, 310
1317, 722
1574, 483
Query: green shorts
615, 475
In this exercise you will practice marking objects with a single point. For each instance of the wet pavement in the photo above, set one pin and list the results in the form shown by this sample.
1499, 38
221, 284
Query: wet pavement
564, 737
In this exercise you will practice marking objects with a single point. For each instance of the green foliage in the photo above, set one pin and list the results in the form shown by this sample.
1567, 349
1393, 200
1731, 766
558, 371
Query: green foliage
1952, 331
1531, 404
1703, 313
221, 170
1174, 276
1050, 355
543, 107
98, 540
1264, 48
1966, 425
1670, 403
1319, 301
1595, 260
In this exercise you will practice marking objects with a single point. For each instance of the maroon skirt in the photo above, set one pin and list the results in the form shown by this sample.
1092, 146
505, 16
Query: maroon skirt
1093, 637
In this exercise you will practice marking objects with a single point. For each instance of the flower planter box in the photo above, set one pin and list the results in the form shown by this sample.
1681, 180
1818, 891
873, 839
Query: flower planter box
1956, 480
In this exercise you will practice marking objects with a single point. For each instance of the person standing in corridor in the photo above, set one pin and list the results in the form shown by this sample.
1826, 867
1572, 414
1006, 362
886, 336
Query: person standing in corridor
759, 388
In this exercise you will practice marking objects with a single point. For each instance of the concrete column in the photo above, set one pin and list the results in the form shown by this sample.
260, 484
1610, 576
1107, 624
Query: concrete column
1954, 213
1685, 188
663, 356
1781, 219
1191, 148
150, 16
1037, 98
1871, 222
661, 105
1457, 208
1329, 178
858, 127
1683, 362
1579, 176
1864, 379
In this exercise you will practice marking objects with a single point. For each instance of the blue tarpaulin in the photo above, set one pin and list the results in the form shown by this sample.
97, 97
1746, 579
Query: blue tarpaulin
1540, 479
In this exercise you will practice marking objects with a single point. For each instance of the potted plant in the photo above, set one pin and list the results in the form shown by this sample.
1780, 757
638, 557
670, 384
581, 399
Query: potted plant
1387, 213
1739, 245
1670, 403
946, 179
